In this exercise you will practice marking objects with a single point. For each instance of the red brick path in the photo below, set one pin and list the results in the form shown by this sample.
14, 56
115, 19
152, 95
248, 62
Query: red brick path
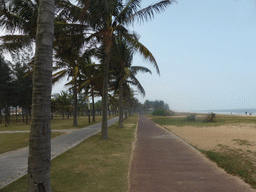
164, 163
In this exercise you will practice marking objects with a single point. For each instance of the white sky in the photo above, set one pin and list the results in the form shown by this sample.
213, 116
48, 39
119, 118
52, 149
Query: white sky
206, 52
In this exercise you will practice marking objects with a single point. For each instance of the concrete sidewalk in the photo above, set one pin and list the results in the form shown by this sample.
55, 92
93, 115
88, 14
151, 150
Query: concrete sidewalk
163, 162
13, 165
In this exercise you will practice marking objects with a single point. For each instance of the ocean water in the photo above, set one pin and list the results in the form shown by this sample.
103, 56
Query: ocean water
251, 112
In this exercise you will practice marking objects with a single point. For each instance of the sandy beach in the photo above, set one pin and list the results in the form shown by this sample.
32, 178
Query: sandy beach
209, 138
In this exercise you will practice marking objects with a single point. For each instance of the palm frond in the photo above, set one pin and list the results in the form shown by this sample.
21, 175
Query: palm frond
135, 69
13, 42
134, 81
133, 40
58, 76
148, 12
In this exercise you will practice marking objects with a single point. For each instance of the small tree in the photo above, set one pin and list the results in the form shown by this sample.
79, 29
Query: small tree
191, 117
210, 117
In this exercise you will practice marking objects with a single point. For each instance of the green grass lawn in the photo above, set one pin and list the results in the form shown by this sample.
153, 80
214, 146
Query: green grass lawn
95, 165
57, 123
13, 141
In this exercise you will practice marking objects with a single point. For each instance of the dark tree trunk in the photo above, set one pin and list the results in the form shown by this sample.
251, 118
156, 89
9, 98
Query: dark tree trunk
23, 116
29, 112
75, 104
39, 160
104, 128
26, 115
16, 114
6, 116
121, 112
9, 115
93, 107
1, 117
89, 117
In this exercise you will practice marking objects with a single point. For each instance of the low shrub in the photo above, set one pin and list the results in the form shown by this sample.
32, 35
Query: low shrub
162, 112
210, 117
191, 117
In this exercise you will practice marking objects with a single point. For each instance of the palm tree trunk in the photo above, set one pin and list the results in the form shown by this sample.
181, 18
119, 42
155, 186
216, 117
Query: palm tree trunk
39, 159
104, 127
121, 110
6, 116
1, 117
23, 115
16, 114
26, 115
75, 103
93, 107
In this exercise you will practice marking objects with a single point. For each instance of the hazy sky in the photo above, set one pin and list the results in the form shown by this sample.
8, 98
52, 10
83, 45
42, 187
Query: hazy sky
206, 52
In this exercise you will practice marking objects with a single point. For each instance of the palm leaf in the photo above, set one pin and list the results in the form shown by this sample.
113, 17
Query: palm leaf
148, 12
133, 40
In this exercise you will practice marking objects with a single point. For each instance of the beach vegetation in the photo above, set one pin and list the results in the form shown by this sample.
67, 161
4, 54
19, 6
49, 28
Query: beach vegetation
180, 120
236, 162
243, 142
191, 117
162, 112
210, 117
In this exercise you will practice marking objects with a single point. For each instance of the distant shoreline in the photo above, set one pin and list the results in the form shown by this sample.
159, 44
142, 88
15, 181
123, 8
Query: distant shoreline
228, 113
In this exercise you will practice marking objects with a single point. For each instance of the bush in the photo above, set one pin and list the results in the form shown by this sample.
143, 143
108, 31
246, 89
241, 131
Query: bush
210, 117
162, 112
191, 117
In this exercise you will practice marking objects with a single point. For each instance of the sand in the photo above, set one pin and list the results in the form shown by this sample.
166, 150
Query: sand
237, 136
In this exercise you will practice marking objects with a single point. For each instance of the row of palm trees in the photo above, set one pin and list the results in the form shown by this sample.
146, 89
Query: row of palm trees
83, 29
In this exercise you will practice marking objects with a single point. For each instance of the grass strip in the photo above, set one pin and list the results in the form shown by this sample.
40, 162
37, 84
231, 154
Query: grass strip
181, 121
234, 162
94, 165
56, 124
13, 141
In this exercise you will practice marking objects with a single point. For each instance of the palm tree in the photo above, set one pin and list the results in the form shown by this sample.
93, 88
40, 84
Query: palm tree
123, 72
62, 102
90, 78
39, 159
109, 18
68, 68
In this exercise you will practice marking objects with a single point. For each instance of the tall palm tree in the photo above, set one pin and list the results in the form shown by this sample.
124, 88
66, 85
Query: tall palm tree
68, 67
90, 77
109, 19
39, 159
123, 72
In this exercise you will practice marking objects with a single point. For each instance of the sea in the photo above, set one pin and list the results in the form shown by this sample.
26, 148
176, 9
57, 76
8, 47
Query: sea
246, 111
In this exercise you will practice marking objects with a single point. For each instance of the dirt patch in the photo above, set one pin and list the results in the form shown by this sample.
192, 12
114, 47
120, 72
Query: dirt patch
239, 136
128, 125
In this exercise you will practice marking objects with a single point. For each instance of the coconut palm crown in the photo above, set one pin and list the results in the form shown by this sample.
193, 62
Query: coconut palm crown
109, 19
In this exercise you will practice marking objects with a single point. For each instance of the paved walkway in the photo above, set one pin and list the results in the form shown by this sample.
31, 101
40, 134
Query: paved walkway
163, 162
13, 165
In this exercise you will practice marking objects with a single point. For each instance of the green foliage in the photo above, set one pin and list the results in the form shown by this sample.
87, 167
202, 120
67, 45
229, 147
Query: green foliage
234, 162
243, 142
210, 117
6, 83
191, 117
162, 112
